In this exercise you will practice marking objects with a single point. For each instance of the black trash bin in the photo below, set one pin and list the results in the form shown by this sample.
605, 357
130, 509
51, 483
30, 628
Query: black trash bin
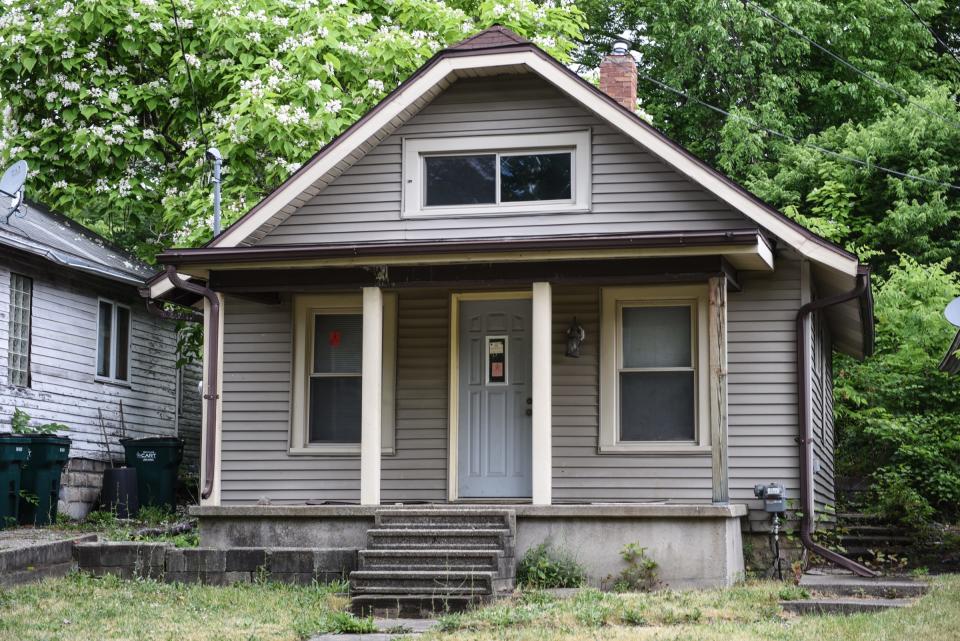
156, 460
40, 478
14, 451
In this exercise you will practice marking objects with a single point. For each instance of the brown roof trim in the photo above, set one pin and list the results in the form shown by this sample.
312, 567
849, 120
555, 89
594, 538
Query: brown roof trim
263, 253
529, 46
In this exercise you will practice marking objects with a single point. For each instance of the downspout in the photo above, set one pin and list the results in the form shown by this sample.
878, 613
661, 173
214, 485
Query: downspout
210, 374
156, 310
806, 425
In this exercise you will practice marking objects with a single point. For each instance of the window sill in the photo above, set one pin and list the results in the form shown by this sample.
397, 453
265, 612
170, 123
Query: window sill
680, 449
112, 381
494, 211
346, 449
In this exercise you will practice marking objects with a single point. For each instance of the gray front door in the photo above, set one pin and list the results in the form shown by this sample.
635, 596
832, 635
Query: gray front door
494, 455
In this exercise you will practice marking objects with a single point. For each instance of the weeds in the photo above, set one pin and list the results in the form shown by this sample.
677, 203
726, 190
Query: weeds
641, 573
544, 567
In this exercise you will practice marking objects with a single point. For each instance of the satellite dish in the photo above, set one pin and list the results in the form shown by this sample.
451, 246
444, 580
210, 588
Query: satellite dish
952, 312
13, 178
11, 184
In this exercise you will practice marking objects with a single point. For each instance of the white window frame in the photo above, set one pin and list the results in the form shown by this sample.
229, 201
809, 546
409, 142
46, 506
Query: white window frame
416, 149
613, 301
111, 377
305, 308
12, 330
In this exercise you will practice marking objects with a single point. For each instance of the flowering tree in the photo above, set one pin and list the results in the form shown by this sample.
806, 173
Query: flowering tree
102, 97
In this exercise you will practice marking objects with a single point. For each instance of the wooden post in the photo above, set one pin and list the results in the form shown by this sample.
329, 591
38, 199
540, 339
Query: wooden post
542, 440
371, 394
717, 323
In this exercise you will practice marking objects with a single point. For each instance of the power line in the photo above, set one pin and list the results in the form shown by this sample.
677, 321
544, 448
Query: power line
849, 65
186, 63
936, 36
779, 134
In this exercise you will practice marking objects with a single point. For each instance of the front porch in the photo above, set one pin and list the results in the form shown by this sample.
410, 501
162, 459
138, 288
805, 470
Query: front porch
694, 545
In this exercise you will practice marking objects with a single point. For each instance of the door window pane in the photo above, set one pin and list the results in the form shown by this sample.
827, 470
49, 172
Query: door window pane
460, 180
104, 338
337, 343
535, 177
335, 409
657, 406
656, 337
123, 343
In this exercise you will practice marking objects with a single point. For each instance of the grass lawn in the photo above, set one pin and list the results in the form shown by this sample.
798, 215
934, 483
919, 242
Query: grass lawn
83, 608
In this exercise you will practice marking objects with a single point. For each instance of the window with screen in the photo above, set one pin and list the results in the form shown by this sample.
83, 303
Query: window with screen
21, 312
113, 341
334, 404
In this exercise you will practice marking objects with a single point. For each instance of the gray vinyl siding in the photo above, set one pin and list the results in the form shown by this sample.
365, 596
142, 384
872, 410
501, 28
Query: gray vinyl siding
762, 384
632, 190
63, 363
822, 411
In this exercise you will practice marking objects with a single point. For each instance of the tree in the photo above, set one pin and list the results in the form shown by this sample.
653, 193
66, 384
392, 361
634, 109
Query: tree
100, 100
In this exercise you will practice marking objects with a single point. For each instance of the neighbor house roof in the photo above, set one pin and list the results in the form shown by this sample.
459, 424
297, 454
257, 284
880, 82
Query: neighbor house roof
950, 363
36, 230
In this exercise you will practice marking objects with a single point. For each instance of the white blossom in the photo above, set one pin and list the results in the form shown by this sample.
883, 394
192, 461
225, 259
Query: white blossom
315, 84
192, 60
333, 106
156, 26
375, 84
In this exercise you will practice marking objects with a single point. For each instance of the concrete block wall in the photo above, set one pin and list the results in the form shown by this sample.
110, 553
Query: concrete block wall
80, 486
213, 566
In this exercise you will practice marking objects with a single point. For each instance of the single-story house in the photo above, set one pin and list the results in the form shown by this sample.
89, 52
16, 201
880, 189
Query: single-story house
78, 346
502, 289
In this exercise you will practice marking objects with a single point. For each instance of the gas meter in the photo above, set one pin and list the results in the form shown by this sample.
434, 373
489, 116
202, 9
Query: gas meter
773, 495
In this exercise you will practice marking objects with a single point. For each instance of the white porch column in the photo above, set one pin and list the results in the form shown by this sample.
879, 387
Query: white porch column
542, 394
717, 331
371, 394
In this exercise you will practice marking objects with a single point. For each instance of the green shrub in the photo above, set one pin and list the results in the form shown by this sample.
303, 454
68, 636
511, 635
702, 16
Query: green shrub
544, 567
641, 573
793, 593
20, 424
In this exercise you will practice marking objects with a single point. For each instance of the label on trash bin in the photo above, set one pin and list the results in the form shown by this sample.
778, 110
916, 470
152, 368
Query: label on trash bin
147, 456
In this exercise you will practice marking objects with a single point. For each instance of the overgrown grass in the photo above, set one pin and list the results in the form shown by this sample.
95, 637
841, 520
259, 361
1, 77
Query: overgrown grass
743, 613
85, 608
108, 526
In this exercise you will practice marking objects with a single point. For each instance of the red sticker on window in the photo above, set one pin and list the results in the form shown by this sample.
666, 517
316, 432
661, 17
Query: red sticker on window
334, 338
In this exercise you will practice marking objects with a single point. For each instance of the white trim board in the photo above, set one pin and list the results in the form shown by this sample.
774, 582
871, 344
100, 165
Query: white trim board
392, 112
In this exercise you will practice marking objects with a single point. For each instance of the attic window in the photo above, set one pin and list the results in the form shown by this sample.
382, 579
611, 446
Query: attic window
497, 175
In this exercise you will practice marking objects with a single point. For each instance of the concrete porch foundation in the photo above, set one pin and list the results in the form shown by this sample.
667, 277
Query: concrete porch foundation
695, 546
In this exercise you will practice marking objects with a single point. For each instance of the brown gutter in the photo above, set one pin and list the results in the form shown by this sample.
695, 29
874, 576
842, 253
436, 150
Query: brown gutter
861, 292
210, 375
260, 253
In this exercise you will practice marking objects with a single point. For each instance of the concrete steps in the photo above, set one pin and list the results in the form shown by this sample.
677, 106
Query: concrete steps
420, 561
850, 594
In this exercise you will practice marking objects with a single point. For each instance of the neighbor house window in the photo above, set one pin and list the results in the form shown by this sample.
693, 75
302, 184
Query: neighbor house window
327, 400
21, 306
489, 175
653, 380
113, 341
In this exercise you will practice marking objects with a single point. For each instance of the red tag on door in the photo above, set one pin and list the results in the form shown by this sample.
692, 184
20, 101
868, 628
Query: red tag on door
335, 338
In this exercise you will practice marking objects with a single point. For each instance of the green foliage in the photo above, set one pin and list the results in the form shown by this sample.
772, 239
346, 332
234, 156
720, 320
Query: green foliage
896, 413
343, 623
544, 567
641, 573
97, 98
793, 593
20, 424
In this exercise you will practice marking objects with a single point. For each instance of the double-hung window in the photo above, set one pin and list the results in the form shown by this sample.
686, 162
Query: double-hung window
497, 175
328, 355
113, 341
18, 353
653, 370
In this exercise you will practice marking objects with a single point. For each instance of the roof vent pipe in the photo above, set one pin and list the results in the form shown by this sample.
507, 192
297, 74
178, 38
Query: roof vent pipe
620, 48
214, 154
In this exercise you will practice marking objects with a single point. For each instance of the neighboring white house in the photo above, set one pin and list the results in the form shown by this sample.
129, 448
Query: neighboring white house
77, 346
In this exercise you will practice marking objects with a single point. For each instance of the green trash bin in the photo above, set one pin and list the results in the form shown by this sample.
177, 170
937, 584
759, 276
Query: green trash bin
14, 451
40, 478
156, 460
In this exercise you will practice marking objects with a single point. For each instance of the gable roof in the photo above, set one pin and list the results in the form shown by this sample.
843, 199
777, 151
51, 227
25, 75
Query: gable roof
951, 363
54, 237
499, 50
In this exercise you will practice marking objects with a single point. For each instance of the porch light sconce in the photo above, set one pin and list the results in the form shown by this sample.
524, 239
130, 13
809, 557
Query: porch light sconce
575, 338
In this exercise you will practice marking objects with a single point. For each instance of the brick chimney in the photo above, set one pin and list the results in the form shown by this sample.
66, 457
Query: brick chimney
618, 76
